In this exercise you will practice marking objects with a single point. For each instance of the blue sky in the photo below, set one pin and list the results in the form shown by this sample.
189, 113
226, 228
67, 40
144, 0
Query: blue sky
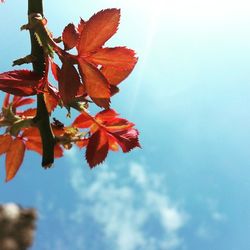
188, 187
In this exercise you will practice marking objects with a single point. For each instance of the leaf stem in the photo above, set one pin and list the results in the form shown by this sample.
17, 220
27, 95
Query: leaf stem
41, 119
18, 125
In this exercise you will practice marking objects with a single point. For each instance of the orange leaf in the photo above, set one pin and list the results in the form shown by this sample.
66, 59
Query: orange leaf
81, 25
58, 151
32, 133
69, 81
118, 124
97, 148
82, 143
5, 141
37, 146
70, 36
84, 120
101, 102
33, 141
51, 97
57, 130
120, 58
119, 130
81, 91
50, 102
14, 158
106, 115
98, 29
113, 145
115, 76
96, 84
27, 113
111, 121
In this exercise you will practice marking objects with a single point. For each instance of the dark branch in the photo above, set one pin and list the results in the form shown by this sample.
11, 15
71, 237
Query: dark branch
42, 116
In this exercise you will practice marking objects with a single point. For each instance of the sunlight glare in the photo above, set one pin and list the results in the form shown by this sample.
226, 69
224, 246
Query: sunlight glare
192, 10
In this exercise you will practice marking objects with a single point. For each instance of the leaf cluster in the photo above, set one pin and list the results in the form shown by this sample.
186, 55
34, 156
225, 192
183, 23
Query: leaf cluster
89, 77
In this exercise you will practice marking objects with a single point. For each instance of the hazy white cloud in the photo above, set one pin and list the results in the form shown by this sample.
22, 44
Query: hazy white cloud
130, 207
204, 232
217, 216
209, 228
215, 213
138, 174
72, 154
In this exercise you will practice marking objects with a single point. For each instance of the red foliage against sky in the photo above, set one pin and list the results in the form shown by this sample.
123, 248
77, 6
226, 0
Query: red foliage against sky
89, 77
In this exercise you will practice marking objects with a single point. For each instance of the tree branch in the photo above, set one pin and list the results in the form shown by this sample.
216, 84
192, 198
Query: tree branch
42, 117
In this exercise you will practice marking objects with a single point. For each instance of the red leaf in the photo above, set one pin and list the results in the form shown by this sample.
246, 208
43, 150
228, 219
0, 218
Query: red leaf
35, 144
5, 141
111, 121
102, 102
14, 158
69, 82
120, 129
55, 70
118, 124
84, 120
22, 101
96, 84
97, 148
98, 29
51, 97
115, 76
81, 25
20, 82
127, 139
70, 36
106, 115
6, 100
50, 101
120, 58
113, 145
114, 90
58, 151
81, 91
108, 131
16, 98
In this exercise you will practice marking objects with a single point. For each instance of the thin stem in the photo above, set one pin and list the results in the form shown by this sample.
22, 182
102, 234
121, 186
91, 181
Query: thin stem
42, 117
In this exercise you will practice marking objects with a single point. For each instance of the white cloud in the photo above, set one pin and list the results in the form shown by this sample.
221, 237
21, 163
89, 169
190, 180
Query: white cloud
138, 174
130, 207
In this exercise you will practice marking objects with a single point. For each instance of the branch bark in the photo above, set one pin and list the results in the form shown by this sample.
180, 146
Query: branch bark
42, 117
